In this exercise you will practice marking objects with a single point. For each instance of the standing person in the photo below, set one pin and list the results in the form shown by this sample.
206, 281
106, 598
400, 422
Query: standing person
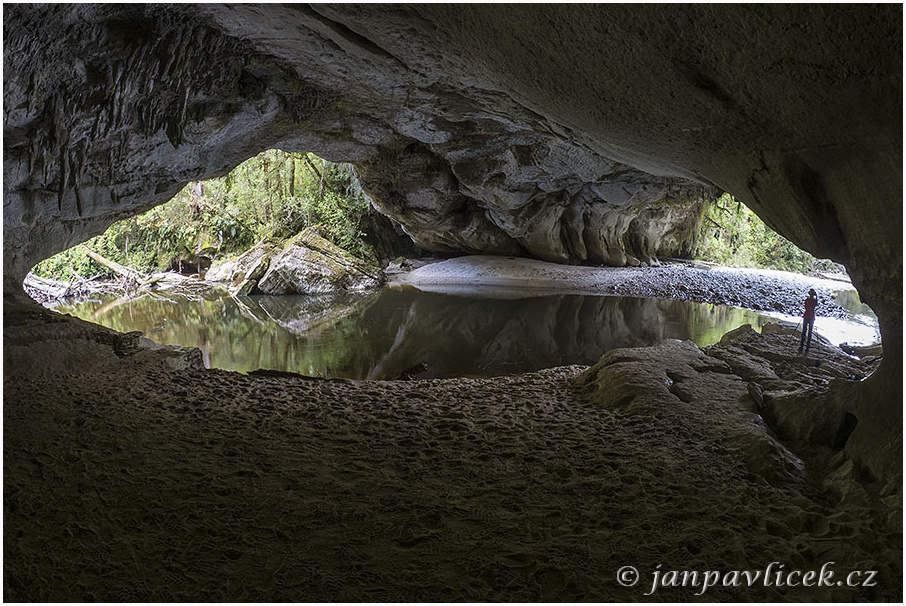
808, 319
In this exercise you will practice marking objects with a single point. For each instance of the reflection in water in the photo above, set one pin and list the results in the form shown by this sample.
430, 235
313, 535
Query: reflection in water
380, 336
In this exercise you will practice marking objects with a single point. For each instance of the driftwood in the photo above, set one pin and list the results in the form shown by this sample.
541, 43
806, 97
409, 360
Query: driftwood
130, 283
45, 289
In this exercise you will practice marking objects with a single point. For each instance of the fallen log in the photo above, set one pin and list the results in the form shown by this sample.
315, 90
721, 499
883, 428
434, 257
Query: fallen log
113, 266
46, 289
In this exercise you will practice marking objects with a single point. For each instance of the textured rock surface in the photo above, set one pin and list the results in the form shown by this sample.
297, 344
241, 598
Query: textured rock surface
546, 131
128, 481
309, 264
675, 380
747, 378
37, 341
109, 119
303, 264
244, 273
819, 404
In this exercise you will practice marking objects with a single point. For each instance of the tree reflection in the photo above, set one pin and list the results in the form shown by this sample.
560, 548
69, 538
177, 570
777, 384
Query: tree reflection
380, 336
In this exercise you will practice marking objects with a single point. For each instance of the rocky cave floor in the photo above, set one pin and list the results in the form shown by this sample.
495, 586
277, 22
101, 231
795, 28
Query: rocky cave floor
127, 477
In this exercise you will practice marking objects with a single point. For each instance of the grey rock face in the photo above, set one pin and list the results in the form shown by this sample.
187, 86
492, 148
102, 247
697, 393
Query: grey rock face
309, 264
736, 385
251, 266
132, 102
679, 383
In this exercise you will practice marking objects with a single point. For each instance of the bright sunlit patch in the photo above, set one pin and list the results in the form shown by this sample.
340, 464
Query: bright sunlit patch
858, 330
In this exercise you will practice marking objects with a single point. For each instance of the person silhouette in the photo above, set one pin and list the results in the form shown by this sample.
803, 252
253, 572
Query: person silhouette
808, 320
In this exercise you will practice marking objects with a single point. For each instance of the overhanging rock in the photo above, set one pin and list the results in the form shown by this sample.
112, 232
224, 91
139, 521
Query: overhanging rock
546, 131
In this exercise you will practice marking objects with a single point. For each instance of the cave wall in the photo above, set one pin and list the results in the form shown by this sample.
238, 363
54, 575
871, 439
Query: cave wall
107, 113
112, 109
552, 131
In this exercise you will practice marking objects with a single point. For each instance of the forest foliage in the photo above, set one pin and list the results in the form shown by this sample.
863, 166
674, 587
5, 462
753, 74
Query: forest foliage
734, 236
275, 194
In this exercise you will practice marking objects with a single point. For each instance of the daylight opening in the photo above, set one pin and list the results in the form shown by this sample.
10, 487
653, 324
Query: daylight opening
275, 195
734, 236
294, 224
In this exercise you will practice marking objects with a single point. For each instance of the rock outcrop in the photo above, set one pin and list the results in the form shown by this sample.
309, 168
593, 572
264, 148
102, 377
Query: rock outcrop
244, 273
304, 264
751, 387
523, 197
310, 264
39, 342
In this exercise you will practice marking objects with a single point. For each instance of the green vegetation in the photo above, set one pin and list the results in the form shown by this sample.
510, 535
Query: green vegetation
273, 194
733, 235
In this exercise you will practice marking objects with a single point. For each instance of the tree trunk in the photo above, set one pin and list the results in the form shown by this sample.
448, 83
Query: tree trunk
112, 265
312, 166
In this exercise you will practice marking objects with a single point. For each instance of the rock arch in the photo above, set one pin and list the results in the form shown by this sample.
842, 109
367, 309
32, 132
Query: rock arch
546, 130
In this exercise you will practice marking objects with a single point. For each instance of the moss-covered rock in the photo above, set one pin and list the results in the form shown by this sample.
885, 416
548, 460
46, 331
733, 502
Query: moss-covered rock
307, 263
248, 269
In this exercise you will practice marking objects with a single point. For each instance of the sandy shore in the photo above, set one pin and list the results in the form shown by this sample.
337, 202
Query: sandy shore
757, 289
125, 479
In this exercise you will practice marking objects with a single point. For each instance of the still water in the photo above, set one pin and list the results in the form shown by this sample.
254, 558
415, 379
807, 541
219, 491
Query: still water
430, 335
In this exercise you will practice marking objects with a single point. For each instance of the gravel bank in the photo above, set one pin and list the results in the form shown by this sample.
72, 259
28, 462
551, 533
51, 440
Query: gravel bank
757, 289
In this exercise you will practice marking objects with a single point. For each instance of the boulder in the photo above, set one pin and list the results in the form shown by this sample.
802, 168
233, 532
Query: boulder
310, 264
221, 271
745, 389
675, 382
728, 337
251, 266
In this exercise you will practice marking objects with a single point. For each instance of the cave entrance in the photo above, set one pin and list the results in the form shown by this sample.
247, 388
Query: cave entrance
733, 235
428, 332
275, 194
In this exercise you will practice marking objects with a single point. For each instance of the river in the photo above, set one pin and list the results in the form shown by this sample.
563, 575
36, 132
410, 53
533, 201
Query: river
405, 331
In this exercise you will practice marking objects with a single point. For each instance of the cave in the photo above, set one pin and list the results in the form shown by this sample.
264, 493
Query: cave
572, 134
